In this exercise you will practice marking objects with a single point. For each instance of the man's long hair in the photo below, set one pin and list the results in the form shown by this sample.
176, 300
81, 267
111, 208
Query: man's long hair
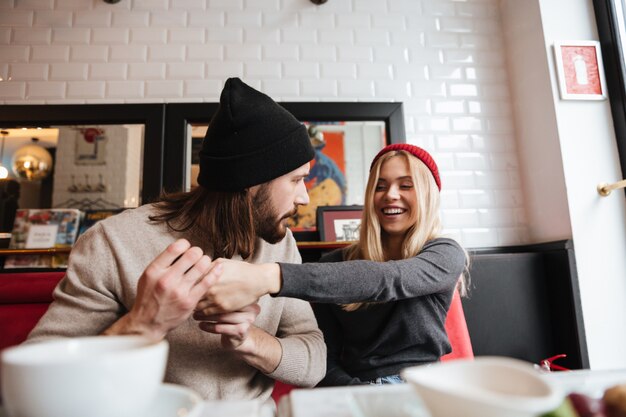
224, 221
427, 224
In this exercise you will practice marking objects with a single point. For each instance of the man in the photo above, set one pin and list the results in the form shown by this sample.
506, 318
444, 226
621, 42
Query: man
120, 280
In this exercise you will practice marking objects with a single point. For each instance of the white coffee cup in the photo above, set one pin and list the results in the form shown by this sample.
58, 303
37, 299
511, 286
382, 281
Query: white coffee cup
100, 376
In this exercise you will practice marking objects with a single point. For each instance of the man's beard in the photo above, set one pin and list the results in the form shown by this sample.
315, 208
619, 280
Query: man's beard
269, 225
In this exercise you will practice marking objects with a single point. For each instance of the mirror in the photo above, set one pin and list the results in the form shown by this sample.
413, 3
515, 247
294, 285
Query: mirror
99, 157
72, 166
343, 152
346, 137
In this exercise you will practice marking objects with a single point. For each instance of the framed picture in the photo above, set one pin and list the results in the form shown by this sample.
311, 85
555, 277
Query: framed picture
90, 146
339, 223
580, 70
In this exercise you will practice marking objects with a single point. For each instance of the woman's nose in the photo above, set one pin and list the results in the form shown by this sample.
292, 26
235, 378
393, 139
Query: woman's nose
392, 193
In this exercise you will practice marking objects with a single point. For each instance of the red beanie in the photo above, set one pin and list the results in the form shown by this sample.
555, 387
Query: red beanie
416, 151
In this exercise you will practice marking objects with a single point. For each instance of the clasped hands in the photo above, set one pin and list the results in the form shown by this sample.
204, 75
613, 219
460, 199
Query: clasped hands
182, 281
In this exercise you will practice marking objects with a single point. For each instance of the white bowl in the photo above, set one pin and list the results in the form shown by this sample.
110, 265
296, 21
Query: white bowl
483, 387
99, 376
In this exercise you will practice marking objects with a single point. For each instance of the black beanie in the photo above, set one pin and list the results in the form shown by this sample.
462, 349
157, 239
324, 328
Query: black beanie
251, 140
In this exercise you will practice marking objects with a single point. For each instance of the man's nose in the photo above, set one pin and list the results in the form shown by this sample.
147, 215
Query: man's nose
302, 195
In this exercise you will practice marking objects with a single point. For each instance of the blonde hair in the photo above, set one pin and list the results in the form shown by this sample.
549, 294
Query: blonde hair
427, 224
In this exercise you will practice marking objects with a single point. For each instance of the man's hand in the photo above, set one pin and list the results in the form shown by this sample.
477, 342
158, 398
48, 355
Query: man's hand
234, 327
254, 345
239, 285
168, 291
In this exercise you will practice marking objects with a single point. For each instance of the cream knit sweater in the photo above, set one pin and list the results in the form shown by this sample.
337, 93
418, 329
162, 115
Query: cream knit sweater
100, 286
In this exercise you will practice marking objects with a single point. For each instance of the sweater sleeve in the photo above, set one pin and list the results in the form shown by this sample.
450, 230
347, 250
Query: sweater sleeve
436, 269
303, 362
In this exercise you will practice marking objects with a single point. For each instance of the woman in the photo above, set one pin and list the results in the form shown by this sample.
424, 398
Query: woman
382, 302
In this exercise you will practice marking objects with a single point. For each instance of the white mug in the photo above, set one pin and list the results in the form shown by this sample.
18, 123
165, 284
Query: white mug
100, 376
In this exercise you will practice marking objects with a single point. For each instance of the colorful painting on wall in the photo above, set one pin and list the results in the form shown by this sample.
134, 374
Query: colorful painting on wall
326, 182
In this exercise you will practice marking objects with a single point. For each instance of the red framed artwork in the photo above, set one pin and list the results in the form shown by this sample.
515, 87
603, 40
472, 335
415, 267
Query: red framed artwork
580, 70
339, 223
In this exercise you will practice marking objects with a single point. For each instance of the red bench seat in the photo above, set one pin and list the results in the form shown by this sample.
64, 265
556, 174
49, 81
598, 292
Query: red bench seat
24, 298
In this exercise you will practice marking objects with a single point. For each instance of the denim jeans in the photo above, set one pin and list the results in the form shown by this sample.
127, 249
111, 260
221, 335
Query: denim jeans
390, 379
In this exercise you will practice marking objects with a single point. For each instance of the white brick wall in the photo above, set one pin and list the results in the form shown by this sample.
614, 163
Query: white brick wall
443, 59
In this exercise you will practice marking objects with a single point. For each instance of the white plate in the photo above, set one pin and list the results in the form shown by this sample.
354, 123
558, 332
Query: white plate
172, 401
175, 401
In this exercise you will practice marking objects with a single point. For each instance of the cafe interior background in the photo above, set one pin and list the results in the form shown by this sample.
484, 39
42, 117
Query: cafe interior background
476, 78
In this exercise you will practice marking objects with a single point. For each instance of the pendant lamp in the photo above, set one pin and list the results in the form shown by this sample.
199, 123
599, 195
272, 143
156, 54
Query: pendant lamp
32, 162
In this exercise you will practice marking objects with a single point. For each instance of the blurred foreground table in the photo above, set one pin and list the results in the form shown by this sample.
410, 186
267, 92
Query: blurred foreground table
248, 408
353, 401
401, 401
243, 408
386, 400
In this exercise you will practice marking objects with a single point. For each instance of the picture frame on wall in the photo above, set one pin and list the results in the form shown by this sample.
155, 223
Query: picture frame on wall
339, 223
91, 145
580, 70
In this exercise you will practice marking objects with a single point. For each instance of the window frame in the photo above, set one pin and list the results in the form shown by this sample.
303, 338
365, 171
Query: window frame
607, 20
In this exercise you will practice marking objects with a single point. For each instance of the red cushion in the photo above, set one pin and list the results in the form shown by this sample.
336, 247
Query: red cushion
280, 389
17, 320
456, 327
24, 298
28, 287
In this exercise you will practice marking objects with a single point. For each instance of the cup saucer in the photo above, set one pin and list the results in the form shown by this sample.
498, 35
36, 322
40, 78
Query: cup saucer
175, 401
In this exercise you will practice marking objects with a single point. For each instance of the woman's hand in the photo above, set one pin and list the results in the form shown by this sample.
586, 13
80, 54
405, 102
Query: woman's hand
239, 285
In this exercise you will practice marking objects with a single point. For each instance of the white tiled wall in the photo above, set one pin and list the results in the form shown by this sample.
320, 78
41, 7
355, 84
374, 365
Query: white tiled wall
443, 59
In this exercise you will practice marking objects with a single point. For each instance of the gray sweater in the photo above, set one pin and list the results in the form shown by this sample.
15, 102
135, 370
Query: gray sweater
101, 285
406, 328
